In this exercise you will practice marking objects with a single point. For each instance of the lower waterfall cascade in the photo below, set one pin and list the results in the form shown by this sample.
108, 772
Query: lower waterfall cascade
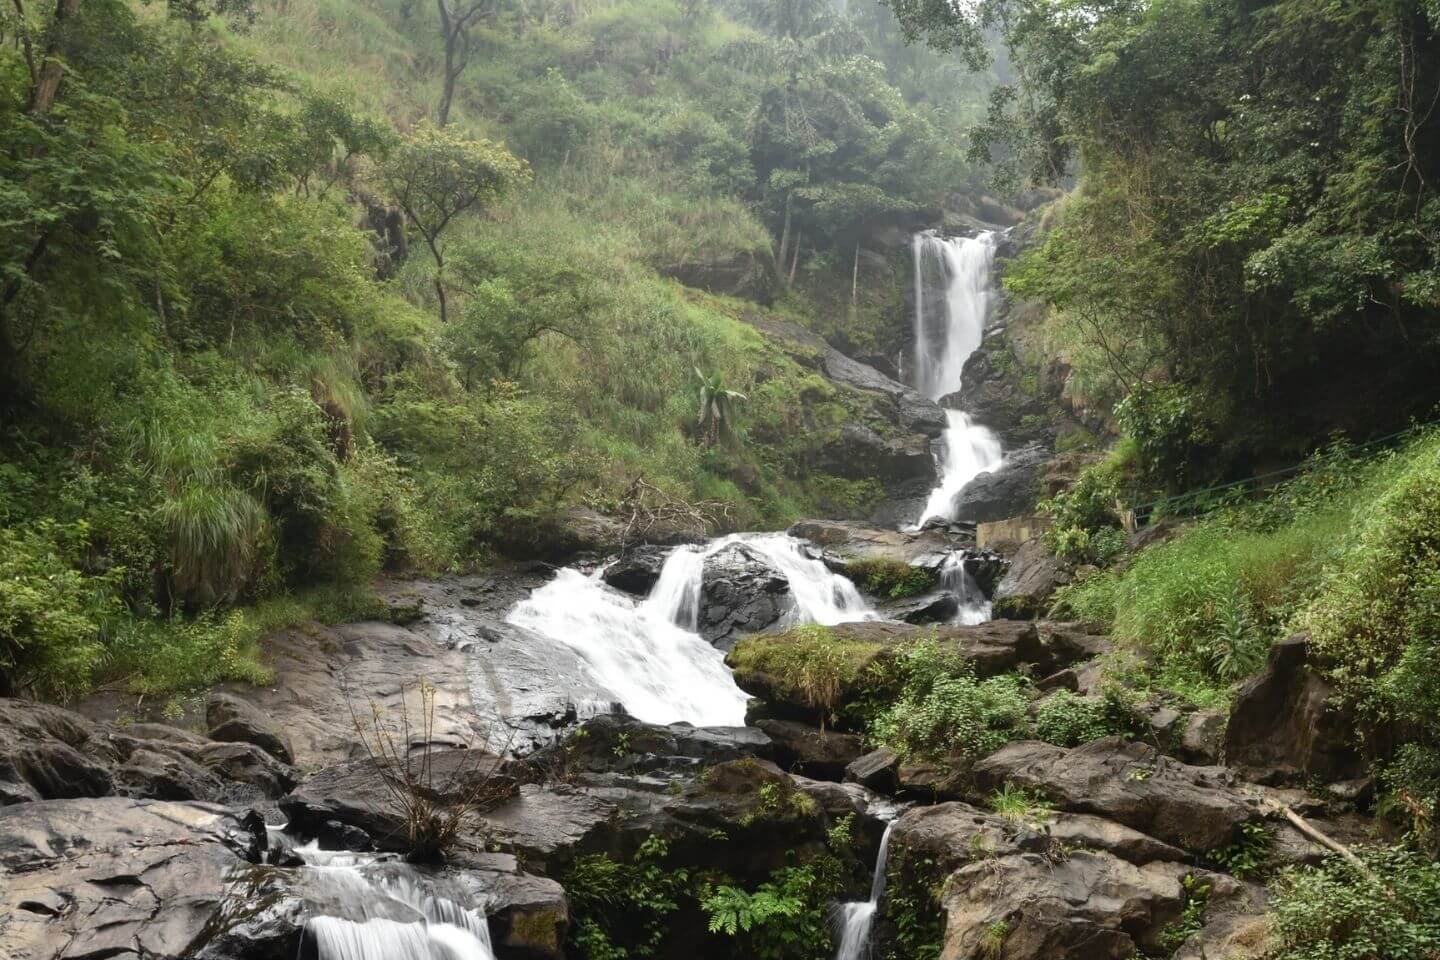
854, 920
647, 653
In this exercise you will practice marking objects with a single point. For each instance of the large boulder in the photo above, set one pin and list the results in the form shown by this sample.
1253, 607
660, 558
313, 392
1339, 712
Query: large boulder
807, 749
741, 593
844, 541
636, 570
377, 795
1010, 490
49, 753
116, 877
1086, 905
1283, 726
1035, 574
233, 720
1197, 808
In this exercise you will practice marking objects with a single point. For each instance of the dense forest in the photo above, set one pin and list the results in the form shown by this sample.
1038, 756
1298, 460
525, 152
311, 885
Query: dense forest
319, 313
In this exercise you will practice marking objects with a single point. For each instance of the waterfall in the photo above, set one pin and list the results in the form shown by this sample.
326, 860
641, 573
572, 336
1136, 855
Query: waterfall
441, 929
948, 329
856, 919
647, 653
661, 672
974, 608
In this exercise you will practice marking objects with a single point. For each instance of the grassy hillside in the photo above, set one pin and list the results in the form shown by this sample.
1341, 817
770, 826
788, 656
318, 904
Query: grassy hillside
228, 400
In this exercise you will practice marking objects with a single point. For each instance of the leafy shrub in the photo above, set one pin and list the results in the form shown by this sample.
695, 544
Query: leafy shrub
1333, 911
1068, 720
620, 909
943, 709
785, 918
52, 616
1017, 805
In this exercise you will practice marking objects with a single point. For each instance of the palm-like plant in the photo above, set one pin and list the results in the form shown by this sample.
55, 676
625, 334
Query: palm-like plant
717, 406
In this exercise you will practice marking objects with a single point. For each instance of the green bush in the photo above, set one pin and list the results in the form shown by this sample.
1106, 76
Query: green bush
1334, 912
1068, 720
620, 909
1086, 527
943, 710
809, 663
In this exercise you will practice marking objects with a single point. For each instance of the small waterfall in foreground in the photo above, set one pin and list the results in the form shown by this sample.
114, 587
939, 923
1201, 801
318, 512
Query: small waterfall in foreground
429, 927
648, 654
856, 919
974, 608
948, 329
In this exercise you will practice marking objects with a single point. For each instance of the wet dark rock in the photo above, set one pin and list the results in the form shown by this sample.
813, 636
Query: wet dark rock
245, 763
116, 877
1196, 808
800, 747
165, 774
50, 753
986, 568
1282, 726
636, 570
1009, 491
938, 607
621, 744
233, 720
1201, 737
1035, 574
362, 793
741, 592
875, 770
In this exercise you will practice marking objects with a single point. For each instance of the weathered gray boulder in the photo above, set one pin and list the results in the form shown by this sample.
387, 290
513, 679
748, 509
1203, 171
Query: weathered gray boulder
875, 770
115, 877
1010, 490
1282, 725
741, 592
636, 570
1087, 905
50, 753
1034, 575
233, 720
807, 749
1196, 808
938, 607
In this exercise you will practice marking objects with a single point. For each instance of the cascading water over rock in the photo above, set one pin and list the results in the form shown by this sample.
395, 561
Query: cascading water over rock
953, 292
647, 653
856, 919
430, 927
954, 578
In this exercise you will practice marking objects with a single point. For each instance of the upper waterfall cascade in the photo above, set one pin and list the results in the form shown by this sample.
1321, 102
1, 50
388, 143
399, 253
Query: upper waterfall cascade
648, 654
953, 294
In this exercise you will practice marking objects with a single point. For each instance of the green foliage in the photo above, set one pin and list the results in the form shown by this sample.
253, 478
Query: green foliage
1016, 805
784, 918
1249, 856
621, 909
1086, 526
894, 579
944, 710
1192, 917
1334, 911
1068, 720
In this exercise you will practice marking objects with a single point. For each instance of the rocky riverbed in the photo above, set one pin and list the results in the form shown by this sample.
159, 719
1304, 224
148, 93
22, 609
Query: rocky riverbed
125, 837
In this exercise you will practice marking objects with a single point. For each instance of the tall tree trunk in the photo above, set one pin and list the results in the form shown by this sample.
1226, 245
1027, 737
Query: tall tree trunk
855, 277
784, 242
52, 68
795, 260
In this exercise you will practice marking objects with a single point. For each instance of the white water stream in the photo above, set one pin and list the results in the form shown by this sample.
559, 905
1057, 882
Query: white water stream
441, 929
953, 293
648, 654
974, 608
856, 919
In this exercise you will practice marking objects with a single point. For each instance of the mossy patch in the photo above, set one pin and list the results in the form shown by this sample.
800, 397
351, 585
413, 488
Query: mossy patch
808, 665
893, 579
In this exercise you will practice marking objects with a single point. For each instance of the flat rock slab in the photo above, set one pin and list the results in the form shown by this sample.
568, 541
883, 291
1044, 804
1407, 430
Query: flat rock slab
1197, 808
116, 877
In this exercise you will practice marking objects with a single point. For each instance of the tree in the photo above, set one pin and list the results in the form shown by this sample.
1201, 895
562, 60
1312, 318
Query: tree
456, 18
435, 175
717, 407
